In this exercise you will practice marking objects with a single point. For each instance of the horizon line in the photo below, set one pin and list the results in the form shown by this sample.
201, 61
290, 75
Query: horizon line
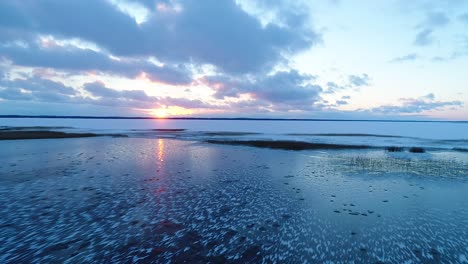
231, 118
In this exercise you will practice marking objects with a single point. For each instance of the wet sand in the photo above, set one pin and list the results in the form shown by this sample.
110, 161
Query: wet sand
105, 199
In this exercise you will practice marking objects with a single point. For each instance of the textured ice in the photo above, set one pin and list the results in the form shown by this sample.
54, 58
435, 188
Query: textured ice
165, 200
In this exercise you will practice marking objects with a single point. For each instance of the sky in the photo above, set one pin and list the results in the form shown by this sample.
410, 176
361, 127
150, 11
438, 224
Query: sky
350, 59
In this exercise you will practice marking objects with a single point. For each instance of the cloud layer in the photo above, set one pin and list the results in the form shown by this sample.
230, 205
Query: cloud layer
213, 32
232, 56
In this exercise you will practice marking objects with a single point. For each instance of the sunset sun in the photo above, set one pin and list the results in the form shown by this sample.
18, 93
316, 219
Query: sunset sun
170, 111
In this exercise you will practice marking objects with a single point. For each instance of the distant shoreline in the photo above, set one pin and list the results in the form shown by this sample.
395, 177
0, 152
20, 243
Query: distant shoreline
20, 134
232, 118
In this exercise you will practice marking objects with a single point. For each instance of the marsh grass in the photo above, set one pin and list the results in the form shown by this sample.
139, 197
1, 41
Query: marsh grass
417, 150
286, 145
423, 167
394, 149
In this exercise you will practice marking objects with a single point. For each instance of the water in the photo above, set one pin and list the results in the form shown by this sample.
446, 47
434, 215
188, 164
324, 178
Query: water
430, 130
445, 135
118, 200
171, 197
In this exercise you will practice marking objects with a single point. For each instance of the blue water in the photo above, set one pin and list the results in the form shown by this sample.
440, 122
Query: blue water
160, 200
445, 135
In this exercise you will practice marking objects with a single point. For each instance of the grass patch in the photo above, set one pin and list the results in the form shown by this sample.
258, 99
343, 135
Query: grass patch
286, 145
417, 150
394, 149
32, 128
344, 135
461, 149
40, 134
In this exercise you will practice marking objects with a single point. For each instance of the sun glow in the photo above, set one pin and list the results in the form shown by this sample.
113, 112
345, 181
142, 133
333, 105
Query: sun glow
170, 111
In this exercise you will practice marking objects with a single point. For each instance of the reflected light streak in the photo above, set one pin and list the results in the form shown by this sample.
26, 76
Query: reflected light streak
161, 151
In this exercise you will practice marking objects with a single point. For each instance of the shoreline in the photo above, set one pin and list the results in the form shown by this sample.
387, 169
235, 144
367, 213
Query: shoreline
45, 134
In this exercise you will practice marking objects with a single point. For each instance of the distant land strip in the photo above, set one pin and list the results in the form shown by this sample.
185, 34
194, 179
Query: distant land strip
232, 118
43, 134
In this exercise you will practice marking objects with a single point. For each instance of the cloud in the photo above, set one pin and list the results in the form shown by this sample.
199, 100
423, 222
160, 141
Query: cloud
186, 103
286, 86
287, 90
332, 87
359, 80
354, 81
14, 94
136, 98
213, 32
71, 58
433, 21
37, 89
424, 37
416, 105
405, 58
88, 20
172, 44
124, 98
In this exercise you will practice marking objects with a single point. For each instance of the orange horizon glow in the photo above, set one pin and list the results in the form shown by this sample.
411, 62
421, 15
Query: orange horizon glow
170, 111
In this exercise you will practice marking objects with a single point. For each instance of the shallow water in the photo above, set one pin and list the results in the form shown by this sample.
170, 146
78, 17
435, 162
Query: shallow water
167, 200
434, 135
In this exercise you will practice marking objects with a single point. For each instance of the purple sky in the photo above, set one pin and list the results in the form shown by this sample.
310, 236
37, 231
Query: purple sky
329, 59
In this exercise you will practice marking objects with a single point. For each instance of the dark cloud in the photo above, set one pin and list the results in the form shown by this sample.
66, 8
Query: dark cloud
70, 58
332, 87
282, 90
35, 89
359, 80
7, 93
181, 36
222, 34
95, 21
288, 87
216, 32
416, 105
405, 58
341, 102
137, 98
125, 98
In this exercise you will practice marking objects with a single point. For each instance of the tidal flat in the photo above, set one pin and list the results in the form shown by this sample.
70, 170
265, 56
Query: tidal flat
160, 200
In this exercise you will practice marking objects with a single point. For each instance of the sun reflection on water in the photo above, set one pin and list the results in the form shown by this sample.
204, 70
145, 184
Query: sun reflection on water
161, 151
